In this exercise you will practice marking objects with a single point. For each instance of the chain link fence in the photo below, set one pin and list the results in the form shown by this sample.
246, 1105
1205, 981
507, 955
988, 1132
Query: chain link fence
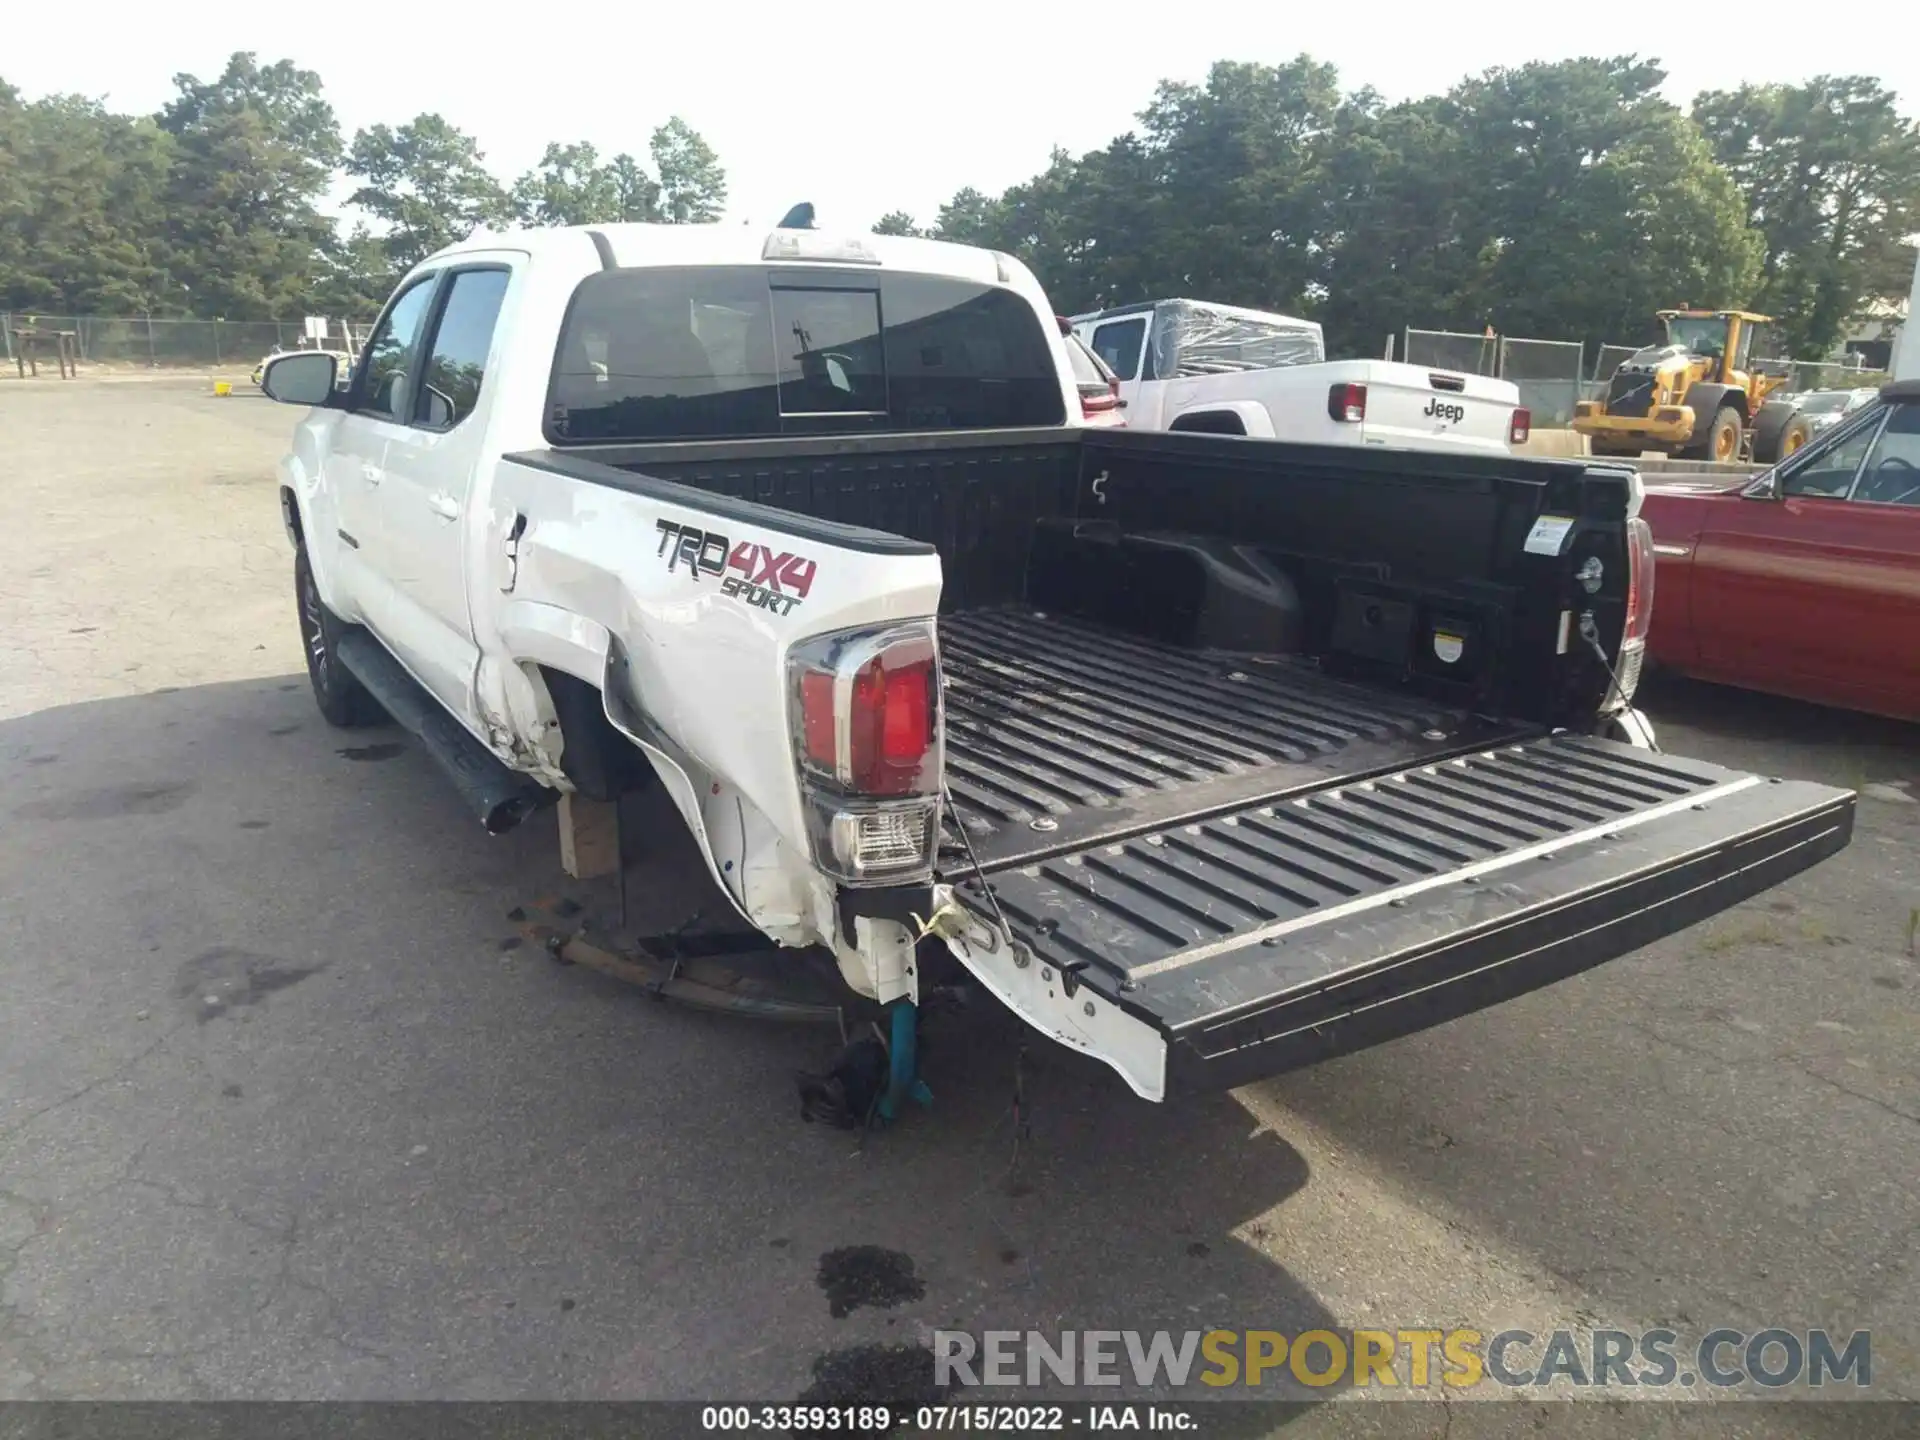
140, 340
1452, 350
1547, 373
1830, 375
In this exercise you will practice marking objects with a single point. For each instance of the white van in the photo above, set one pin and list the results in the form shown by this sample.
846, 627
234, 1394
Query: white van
1223, 370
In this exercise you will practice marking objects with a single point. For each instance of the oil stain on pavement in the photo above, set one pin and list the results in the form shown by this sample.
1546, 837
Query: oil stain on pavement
867, 1275
219, 981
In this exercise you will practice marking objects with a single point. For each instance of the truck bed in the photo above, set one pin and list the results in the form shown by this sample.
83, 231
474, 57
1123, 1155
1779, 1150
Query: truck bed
1062, 734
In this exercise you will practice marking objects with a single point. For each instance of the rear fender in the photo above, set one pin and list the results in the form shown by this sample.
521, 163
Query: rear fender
773, 885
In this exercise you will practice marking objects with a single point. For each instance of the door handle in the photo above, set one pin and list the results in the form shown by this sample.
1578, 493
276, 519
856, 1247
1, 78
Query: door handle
370, 474
444, 505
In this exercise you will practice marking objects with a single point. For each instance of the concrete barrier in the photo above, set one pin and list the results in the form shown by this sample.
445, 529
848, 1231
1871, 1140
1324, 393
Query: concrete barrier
1569, 444
1559, 444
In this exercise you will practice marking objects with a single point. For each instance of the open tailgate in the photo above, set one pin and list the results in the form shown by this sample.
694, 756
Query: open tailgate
1274, 935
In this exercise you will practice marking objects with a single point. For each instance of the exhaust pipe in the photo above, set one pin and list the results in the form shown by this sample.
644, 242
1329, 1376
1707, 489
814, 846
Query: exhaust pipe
499, 797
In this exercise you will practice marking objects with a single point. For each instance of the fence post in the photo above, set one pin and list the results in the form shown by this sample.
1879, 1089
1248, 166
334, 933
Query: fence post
216, 343
153, 358
6, 333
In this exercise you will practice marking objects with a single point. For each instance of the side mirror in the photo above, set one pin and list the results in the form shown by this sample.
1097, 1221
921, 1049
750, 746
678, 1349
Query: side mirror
302, 378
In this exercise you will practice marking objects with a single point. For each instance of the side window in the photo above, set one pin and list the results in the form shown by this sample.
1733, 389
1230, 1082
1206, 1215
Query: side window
457, 361
385, 387
1827, 473
1118, 343
1892, 476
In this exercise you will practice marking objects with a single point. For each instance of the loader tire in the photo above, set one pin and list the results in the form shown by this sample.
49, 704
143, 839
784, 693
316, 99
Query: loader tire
1795, 436
342, 699
1722, 440
1769, 429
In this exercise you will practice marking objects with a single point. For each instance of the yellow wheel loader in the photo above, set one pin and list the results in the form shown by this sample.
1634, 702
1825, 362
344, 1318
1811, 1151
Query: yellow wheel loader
1700, 395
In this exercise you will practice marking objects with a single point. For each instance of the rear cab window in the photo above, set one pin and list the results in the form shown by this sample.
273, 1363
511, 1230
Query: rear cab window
709, 352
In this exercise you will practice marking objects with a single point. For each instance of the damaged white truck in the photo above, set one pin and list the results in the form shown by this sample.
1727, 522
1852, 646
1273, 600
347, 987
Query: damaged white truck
1210, 757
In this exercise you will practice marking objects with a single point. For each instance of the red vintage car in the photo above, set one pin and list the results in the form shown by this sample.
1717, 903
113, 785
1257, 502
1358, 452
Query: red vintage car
1805, 580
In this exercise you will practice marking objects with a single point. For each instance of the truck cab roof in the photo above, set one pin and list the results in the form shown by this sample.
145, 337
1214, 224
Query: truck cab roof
636, 245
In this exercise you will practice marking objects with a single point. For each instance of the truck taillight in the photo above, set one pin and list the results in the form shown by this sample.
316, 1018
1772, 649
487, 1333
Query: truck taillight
864, 711
1639, 617
1347, 403
1520, 427
1640, 568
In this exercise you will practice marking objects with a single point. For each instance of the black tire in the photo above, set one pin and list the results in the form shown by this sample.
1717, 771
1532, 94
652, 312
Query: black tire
1722, 438
1768, 426
1798, 432
341, 698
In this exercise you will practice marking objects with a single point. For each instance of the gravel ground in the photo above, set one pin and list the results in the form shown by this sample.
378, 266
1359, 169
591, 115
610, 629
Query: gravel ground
286, 1110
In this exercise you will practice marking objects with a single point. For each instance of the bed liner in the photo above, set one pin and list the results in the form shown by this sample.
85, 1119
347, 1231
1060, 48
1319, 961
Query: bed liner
1061, 734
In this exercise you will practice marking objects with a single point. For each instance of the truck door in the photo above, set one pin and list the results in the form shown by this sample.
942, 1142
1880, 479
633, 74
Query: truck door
357, 453
1815, 586
431, 464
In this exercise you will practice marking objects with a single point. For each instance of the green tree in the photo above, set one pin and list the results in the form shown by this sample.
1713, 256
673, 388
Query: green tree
571, 187
254, 151
1564, 200
1830, 175
426, 182
897, 222
82, 208
354, 276
970, 218
693, 185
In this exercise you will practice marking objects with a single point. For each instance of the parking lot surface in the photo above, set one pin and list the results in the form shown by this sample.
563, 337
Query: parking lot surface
287, 1109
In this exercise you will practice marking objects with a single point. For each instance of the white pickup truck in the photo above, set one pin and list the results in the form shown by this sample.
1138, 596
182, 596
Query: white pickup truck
1196, 366
1208, 757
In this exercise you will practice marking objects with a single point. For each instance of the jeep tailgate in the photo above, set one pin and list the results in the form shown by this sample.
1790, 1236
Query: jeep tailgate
1411, 405
1285, 932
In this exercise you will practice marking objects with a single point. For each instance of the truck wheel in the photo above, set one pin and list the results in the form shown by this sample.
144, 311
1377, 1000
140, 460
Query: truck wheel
341, 698
1722, 440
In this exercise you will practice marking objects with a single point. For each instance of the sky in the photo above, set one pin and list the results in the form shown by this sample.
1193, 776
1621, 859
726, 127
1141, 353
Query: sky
862, 106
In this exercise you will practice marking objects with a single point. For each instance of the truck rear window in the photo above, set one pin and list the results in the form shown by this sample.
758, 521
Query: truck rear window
702, 353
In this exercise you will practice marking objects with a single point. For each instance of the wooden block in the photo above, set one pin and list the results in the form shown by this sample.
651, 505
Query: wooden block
589, 837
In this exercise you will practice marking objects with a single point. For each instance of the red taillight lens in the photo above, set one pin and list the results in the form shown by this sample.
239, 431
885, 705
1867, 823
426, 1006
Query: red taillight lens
1347, 404
890, 726
866, 707
1522, 426
1640, 568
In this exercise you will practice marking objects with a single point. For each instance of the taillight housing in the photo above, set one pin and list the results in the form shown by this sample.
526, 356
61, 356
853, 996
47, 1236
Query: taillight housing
1639, 617
1640, 568
1101, 404
1520, 427
1347, 403
864, 714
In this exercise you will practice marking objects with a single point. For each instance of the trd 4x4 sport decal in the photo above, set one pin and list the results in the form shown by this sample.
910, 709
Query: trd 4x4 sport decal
768, 579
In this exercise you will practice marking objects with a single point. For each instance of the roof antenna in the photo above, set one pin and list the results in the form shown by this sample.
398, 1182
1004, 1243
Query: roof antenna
800, 217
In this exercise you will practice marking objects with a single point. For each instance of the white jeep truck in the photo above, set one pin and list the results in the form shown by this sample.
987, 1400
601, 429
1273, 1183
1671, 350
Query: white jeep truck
1208, 757
1213, 369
